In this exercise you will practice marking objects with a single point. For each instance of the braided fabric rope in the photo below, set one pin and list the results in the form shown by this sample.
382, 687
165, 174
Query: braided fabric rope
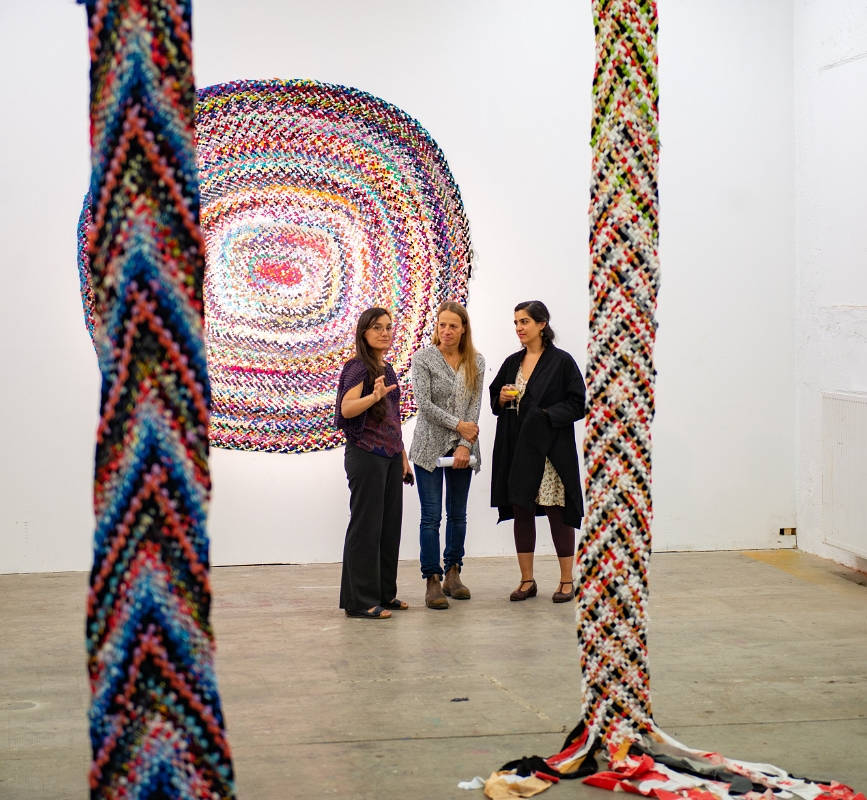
614, 552
85, 223
617, 734
156, 725
318, 201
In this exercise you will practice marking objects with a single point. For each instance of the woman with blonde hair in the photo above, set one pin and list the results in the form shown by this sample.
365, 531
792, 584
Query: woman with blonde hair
447, 381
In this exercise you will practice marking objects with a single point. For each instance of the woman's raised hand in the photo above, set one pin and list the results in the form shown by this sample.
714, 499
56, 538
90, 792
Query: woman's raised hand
380, 390
468, 431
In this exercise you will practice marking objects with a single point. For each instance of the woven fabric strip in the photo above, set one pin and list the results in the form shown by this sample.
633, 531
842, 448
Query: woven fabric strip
617, 744
156, 724
614, 551
85, 223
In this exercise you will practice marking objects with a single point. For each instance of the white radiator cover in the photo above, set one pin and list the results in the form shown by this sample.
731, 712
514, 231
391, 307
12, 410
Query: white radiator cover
844, 470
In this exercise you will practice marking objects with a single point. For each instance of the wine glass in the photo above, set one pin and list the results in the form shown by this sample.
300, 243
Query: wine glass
512, 391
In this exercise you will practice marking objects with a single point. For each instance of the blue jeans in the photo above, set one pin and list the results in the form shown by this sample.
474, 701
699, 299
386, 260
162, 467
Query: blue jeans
430, 493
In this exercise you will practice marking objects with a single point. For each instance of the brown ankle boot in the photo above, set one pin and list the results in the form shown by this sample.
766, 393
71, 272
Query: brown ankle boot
452, 585
433, 596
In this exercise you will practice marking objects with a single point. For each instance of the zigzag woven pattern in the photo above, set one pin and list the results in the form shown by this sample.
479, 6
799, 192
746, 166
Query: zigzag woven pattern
156, 725
318, 201
614, 552
85, 223
617, 745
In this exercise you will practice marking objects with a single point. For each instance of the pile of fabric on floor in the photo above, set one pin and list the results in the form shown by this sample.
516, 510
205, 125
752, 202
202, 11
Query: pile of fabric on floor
655, 766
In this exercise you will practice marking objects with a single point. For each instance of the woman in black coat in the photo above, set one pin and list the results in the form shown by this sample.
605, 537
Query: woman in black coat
535, 463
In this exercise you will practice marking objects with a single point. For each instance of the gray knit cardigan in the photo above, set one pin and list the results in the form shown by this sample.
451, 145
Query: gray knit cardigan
443, 401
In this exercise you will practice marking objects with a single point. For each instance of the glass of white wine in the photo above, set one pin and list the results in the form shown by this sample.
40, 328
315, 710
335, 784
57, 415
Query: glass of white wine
512, 391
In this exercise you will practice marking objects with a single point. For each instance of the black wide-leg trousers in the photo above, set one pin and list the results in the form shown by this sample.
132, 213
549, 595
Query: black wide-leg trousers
373, 536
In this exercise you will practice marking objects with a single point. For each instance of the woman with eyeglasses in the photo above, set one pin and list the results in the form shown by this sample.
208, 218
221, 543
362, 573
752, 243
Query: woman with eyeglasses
538, 396
447, 382
368, 411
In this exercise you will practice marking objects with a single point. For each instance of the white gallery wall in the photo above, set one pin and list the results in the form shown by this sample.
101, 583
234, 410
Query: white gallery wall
504, 88
49, 380
831, 115
724, 432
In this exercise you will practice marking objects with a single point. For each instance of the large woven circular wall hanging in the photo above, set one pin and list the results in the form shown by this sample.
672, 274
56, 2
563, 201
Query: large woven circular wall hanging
317, 201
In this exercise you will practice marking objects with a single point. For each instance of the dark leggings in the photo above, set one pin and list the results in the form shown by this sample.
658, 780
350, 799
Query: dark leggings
525, 531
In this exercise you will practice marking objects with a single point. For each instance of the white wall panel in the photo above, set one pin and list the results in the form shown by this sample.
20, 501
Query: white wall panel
723, 438
49, 381
831, 119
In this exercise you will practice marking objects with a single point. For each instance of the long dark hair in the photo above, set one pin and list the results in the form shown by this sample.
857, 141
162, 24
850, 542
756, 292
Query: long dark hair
538, 312
365, 354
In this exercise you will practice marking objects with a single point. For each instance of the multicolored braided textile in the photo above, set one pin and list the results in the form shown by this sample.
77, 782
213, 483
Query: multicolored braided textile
614, 551
156, 725
617, 745
85, 223
318, 201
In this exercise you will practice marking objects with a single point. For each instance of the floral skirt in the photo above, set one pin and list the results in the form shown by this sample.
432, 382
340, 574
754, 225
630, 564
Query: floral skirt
551, 491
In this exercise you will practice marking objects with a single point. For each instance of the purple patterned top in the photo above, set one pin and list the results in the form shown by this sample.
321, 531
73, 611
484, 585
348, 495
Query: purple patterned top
363, 431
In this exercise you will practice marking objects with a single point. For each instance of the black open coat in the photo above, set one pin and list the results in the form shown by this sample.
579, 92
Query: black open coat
543, 428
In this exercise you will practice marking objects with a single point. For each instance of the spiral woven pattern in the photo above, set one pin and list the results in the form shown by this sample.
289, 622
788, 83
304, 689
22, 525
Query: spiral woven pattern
614, 552
318, 201
156, 724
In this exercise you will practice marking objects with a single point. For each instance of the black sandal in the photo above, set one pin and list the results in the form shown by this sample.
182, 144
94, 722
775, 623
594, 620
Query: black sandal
396, 605
367, 613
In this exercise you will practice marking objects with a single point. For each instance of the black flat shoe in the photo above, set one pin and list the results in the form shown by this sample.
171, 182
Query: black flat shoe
520, 594
564, 597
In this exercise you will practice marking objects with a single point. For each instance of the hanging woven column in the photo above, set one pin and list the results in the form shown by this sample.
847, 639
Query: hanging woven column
617, 744
156, 725
614, 551
614, 548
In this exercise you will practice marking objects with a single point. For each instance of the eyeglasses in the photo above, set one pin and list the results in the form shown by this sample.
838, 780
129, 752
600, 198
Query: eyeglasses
380, 328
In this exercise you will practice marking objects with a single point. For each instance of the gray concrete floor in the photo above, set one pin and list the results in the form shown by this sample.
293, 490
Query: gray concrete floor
762, 656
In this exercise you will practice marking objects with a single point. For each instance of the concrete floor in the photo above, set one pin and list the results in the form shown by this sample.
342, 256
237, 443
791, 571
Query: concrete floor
762, 656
